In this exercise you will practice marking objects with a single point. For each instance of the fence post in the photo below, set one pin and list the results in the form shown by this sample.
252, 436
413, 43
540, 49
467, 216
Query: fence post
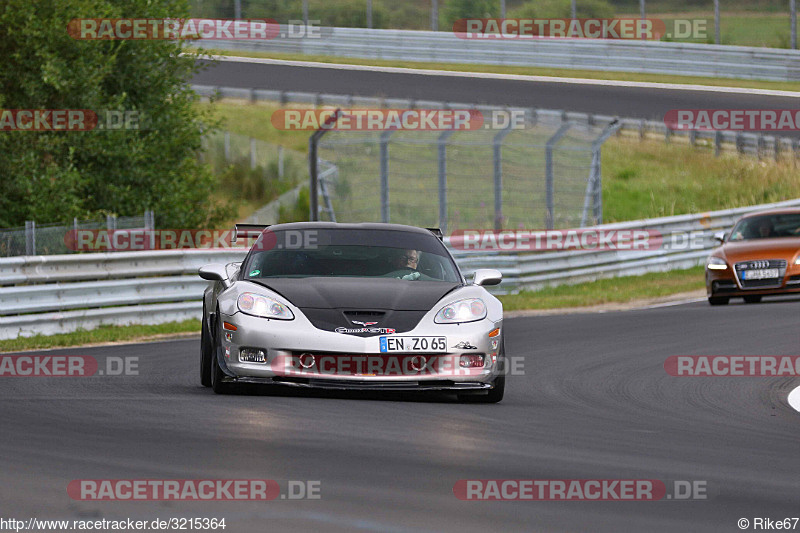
717, 143
549, 217
227, 144
313, 176
280, 161
716, 21
793, 25
369, 14
498, 176
385, 175
253, 154
30, 237
594, 185
434, 15
442, 141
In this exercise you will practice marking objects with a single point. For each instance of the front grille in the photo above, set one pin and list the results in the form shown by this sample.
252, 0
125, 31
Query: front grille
769, 283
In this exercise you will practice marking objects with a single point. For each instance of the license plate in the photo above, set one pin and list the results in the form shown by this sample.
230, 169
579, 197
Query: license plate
413, 344
761, 274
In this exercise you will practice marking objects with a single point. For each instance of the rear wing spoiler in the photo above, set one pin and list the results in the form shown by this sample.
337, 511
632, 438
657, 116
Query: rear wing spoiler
248, 230
436, 232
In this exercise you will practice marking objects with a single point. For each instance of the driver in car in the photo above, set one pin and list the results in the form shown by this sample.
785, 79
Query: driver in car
408, 260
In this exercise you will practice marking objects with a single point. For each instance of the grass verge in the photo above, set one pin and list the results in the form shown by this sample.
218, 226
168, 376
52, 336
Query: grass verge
606, 291
103, 334
526, 71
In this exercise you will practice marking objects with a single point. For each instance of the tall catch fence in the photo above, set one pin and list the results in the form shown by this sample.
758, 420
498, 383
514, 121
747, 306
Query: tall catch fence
546, 174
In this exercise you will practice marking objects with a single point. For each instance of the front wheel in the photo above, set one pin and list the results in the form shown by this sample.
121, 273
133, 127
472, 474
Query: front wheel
495, 393
206, 351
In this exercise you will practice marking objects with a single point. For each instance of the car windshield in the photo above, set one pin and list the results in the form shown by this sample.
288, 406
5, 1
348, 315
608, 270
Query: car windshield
767, 227
350, 253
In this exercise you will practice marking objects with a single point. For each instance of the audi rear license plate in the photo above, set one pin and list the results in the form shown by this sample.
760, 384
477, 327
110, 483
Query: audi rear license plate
766, 273
414, 344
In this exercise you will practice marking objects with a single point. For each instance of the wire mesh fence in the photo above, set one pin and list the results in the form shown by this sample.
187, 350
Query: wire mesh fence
55, 239
545, 174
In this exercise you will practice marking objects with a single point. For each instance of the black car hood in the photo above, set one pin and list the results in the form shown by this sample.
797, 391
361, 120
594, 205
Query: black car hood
359, 293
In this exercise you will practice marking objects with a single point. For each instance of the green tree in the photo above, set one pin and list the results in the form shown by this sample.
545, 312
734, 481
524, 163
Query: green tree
53, 176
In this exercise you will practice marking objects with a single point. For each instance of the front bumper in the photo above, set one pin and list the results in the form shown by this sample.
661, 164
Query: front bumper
345, 362
726, 283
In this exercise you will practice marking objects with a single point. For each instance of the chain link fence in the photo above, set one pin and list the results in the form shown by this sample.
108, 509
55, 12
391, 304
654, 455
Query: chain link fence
54, 239
546, 174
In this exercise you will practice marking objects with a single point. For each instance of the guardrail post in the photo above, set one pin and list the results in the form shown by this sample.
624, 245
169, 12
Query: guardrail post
253, 154
793, 25
434, 15
385, 175
549, 216
717, 143
30, 237
442, 159
369, 14
280, 161
111, 222
497, 158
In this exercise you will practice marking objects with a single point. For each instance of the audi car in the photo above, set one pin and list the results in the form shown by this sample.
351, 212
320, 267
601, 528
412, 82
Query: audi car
759, 257
351, 306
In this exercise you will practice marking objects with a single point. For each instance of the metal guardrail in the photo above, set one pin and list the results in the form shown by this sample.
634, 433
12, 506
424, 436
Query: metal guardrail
686, 59
58, 294
754, 144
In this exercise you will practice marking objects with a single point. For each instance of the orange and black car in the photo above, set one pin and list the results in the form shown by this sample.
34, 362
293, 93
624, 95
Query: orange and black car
760, 256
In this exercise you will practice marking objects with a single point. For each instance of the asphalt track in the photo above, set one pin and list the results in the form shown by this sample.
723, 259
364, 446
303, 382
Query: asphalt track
623, 101
594, 403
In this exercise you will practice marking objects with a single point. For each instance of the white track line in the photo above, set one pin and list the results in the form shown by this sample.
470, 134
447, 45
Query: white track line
514, 77
794, 399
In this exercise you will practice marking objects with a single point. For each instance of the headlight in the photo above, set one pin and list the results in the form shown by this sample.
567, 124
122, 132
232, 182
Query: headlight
263, 306
797, 261
467, 310
716, 263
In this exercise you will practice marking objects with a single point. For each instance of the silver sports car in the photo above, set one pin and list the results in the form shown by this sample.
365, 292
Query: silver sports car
352, 306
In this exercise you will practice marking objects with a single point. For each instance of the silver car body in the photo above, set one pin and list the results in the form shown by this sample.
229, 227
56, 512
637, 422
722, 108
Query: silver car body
286, 342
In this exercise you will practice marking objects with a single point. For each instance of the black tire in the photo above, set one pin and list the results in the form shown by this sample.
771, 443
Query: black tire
718, 300
754, 299
217, 375
206, 351
495, 394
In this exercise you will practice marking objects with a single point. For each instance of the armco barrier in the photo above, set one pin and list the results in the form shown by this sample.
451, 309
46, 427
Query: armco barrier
655, 57
58, 294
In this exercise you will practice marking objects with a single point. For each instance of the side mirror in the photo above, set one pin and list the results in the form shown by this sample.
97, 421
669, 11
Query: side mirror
213, 272
719, 237
487, 276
